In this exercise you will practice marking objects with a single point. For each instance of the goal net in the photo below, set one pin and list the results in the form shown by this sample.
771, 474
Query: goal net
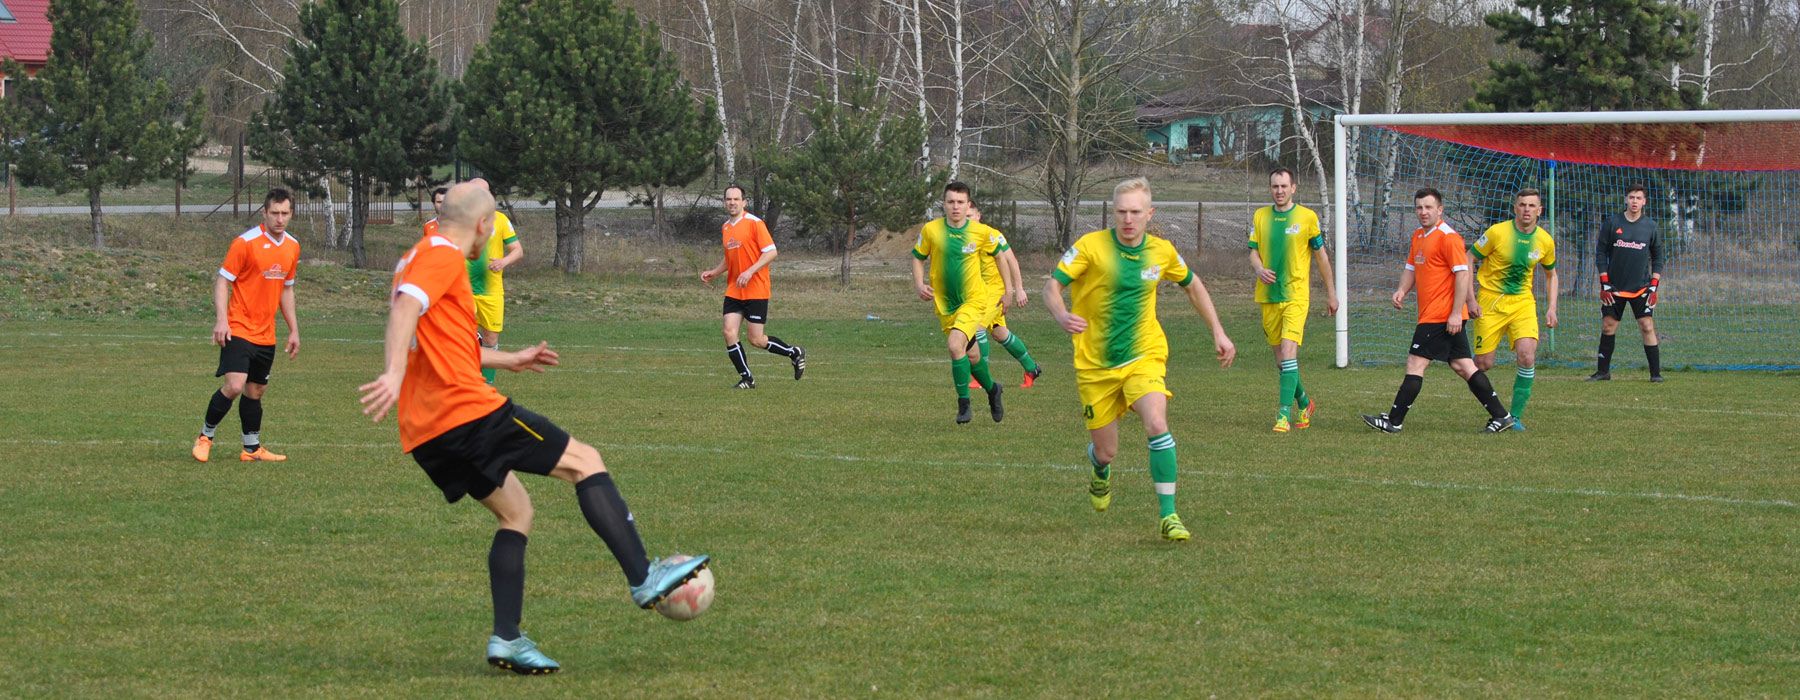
1723, 190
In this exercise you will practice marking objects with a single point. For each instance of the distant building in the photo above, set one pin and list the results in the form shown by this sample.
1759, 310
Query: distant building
1197, 123
24, 37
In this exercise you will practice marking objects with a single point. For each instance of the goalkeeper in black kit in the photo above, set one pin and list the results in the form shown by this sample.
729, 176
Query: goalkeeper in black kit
1630, 263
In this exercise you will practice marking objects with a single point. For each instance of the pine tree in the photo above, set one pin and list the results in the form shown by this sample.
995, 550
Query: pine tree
571, 98
1590, 55
92, 117
358, 102
858, 169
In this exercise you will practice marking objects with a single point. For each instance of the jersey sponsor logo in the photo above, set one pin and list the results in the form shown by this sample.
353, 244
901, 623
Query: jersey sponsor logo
274, 272
999, 239
733, 245
1293, 229
1152, 272
1419, 259
1069, 257
1535, 255
1482, 241
1634, 245
969, 248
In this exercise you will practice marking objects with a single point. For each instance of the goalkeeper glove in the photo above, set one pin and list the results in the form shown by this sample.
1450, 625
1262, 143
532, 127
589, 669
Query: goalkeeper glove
1606, 290
1651, 304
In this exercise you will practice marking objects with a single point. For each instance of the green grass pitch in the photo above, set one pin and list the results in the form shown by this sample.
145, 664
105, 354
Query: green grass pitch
1640, 540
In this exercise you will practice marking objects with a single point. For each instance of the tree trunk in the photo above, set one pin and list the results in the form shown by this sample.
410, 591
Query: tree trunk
570, 238
712, 51
359, 220
332, 239
94, 216
918, 37
956, 64
844, 263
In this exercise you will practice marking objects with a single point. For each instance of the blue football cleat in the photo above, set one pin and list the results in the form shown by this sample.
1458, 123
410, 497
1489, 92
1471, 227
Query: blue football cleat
1519, 425
665, 576
520, 656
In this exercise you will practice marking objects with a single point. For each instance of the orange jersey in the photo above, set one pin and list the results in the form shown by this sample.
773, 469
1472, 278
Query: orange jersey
260, 268
1436, 256
443, 387
430, 229
745, 242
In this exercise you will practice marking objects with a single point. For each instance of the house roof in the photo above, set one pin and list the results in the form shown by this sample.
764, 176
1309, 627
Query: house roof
26, 38
1199, 101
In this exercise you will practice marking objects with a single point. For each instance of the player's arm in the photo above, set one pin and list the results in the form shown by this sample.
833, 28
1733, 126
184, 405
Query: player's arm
221, 315
1459, 300
1552, 283
1009, 276
1406, 284
1323, 260
293, 320
707, 276
1603, 259
533, 358
403, 319
918, 270
1053, 300
1656, 267
1202, 302
1263, 274
515, 251
762, 261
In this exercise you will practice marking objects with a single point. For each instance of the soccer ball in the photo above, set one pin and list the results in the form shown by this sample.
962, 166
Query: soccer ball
690, 599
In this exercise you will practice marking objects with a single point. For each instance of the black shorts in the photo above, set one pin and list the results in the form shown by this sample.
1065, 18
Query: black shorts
241, 355
1640, 307
753, 310
1433, 341
473, 458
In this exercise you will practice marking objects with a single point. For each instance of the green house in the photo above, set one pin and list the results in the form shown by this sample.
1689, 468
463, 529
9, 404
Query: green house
1196, 123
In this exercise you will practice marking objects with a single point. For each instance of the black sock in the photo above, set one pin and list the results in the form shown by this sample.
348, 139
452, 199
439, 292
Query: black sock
1403, 401
250, 414
1484, 391
1606, 351
735, 351
781, 348
1653, 353
506, 581
215, 412
607, 513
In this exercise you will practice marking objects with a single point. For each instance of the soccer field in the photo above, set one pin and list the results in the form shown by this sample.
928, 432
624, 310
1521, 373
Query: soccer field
1640, 540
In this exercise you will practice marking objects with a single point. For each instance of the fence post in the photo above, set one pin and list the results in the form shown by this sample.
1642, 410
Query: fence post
177, 200
1199, 230
12, 193
237, 162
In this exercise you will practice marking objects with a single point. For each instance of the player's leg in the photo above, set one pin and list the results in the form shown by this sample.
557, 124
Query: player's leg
757, 318
1293, 335
1153, 407
1498, 418
1647, 328
609, 517
1287, 358
1525, 357
1284, 392
1015, 346
512, 510
1425, 337
250, 408
978, 359
234, 367
978, 369
490, 339
1102, 402
733, 319
1609, 326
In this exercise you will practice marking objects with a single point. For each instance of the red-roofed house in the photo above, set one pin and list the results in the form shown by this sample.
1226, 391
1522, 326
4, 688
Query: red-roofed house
24, 36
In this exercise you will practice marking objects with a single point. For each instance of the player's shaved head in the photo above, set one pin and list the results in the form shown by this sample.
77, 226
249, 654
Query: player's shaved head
468, 204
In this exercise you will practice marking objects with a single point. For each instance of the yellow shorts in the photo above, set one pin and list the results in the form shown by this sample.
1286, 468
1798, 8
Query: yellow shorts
490, 312
997, 317
1107, 394
1504, 315
1285, 320
967, 318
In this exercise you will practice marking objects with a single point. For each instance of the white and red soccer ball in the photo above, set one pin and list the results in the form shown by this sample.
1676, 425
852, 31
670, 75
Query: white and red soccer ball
689, 599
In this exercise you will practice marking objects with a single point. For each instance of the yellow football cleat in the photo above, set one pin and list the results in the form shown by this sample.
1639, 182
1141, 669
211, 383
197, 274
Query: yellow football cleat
1281, 424
262, 454
1100, 493
1173, 530
202, 448
1306, 414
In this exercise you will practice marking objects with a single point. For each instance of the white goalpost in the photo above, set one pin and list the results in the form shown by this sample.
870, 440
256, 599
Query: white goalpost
1724, 188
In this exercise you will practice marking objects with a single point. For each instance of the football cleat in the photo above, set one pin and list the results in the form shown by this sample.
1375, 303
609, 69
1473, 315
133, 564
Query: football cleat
1173, 530
1031, 378
1656, 379
995, 407
745, 383
799, 361
664, 578
1381, 423
262, 454
1518, 425
202, 448
1306, 414
1281, 424
974, 384
1600, 377
1501, 424
962, 412
520, 656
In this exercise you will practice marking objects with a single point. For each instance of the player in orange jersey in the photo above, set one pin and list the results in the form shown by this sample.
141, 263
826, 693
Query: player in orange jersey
748, 251
470, 439
1438, 265
256, 279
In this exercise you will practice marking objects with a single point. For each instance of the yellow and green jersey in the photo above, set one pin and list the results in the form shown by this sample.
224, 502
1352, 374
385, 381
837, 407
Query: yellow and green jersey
1285, 240
487, 282
1508, 257
990, 266
1114, 288
957, 257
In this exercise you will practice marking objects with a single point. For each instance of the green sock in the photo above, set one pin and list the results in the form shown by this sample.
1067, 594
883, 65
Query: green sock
1101, 471
489, 374
959, 373
1522, 390
981, 341
1162, 471
980, 370
1016, 347
1290, 382
1300, 397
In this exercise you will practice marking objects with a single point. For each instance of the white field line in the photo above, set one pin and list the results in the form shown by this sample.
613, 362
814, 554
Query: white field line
855, 459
